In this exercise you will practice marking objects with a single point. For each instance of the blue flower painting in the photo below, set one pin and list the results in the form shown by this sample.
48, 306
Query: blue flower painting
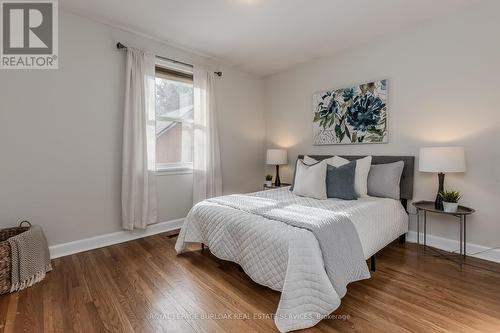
351, 115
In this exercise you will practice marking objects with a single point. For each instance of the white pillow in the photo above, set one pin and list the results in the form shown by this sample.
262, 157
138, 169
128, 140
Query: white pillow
309, 160
310, 181
361, 175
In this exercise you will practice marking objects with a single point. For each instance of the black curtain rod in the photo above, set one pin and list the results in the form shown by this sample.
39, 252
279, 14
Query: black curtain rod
120, 46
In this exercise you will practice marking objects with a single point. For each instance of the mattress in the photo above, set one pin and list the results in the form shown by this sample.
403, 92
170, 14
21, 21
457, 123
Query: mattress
287, 258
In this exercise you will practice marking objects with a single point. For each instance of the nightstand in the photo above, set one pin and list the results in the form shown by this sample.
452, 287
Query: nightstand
461, 213
274, 186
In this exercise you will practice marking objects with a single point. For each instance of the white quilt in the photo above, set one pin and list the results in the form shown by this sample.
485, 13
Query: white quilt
287, 258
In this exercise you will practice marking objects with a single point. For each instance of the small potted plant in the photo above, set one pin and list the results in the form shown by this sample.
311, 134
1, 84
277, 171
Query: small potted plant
269, 179
450, 200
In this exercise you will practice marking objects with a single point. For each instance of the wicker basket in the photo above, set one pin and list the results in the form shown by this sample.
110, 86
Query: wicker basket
5, 254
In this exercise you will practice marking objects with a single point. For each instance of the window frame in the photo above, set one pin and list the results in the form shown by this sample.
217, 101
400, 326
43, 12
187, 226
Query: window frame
182, 71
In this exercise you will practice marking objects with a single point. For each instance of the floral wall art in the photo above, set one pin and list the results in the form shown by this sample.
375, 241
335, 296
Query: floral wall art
351, 115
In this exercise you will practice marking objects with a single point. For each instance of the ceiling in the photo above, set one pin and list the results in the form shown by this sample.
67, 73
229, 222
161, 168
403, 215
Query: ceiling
265, 36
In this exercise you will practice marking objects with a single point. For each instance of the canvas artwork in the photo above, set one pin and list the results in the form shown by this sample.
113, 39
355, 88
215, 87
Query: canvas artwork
351, 115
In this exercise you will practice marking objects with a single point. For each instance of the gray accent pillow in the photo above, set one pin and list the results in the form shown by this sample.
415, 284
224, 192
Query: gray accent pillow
340, 181
383, 180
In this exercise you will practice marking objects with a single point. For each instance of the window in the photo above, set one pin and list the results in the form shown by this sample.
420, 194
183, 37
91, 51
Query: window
174, 119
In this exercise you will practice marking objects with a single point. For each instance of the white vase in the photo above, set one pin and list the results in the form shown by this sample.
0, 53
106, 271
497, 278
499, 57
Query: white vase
269, 183
450, 207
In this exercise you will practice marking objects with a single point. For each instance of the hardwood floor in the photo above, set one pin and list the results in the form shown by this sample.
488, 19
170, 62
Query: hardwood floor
143, 286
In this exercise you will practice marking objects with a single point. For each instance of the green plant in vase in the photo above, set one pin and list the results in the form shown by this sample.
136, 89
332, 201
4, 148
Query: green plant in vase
450, 200
269, 179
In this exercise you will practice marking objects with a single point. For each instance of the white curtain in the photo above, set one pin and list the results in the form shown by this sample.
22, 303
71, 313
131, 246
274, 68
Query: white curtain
207, 175
139, 199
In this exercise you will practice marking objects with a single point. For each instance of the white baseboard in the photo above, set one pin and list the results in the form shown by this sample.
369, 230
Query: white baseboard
86, 244
452, 245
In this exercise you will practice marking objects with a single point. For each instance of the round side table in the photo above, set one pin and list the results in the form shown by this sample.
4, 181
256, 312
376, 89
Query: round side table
461, 213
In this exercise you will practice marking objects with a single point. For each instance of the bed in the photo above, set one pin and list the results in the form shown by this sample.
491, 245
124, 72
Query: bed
250, 230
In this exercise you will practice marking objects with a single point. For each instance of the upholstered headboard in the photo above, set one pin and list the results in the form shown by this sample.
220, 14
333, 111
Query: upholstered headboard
406, 183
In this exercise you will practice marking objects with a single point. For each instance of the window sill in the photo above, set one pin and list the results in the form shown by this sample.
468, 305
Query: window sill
174, 171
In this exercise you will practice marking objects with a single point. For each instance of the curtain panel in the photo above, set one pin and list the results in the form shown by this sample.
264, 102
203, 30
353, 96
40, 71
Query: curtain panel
207, 174
139, 196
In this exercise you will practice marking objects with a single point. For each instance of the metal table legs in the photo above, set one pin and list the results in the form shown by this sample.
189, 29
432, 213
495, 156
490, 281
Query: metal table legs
425, 227
463, 235
463, 232
418, 226
463, 226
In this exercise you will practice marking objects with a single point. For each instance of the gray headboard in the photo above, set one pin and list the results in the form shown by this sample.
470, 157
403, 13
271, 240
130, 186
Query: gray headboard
406, 184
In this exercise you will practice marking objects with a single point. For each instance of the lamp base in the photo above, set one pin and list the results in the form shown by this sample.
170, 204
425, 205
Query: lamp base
438, 203
277, 181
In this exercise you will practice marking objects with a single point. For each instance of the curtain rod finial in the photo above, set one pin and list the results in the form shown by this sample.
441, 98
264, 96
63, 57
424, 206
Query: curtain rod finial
218, 73
120, 46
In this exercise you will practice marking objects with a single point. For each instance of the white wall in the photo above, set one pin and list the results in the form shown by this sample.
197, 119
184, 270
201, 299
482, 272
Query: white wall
61, 135
443, 90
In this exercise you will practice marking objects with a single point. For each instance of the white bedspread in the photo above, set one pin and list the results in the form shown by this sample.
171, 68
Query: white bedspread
287, 258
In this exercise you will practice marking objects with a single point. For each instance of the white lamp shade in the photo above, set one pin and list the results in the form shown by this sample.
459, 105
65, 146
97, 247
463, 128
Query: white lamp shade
276, 156
442, 159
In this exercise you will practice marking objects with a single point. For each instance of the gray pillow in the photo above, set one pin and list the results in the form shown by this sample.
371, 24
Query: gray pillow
383, 180
340, 181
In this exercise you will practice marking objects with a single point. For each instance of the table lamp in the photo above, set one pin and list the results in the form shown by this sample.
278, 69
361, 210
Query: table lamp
276, 157
441, 160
